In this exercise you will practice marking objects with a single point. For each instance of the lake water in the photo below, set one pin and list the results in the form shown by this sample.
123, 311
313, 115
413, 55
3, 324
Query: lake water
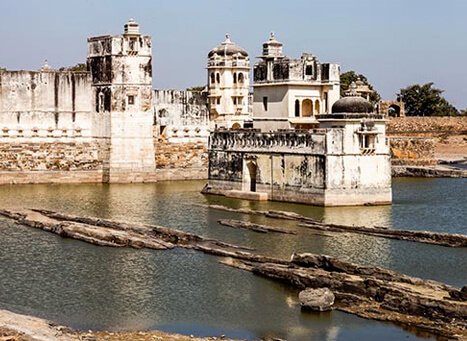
90, 287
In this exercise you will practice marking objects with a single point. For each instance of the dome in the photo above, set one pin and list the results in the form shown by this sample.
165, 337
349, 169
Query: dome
228, 48
353, 103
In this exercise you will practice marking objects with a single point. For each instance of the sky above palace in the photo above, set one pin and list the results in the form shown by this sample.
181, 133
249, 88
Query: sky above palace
394, 43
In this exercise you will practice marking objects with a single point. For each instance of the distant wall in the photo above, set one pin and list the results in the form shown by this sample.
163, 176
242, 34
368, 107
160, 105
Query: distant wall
426, 126
412, 151
181, 161
414, 140
181, 116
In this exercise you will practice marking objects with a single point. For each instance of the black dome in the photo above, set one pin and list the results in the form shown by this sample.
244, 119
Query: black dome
352, 105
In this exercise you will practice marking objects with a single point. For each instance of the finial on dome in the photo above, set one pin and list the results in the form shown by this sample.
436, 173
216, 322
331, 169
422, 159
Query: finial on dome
352, 92
46, 66
272, 36
227, 38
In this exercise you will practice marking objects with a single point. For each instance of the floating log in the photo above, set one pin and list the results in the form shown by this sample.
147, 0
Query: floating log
427, 237
253, 227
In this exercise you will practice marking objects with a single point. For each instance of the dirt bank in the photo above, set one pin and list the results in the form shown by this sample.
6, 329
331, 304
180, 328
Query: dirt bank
17, 327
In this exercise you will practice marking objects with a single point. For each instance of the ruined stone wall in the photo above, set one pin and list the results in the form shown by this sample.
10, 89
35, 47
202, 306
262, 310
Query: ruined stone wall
427, 126
423, 140
52, 161
413, 151
181, 161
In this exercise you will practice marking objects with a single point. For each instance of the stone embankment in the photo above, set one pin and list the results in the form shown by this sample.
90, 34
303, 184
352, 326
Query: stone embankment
425, 141
181, 161
438, 171
369, 292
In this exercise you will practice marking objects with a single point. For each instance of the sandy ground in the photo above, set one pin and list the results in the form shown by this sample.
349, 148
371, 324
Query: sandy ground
16, 327
451, 148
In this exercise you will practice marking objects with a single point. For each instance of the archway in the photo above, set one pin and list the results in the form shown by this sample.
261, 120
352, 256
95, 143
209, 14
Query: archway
249, 178
394, 110
317, 107
297, 108
307, 108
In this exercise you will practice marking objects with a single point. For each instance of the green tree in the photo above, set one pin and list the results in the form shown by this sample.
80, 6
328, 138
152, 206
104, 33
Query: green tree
425, 100
348, 77
80, 67
463, 112
2, 69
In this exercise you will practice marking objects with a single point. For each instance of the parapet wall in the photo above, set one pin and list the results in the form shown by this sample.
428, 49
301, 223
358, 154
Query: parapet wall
290, 142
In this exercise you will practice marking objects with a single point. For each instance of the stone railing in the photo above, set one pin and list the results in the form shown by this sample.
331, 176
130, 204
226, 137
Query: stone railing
7, 132
229, 63
286, 141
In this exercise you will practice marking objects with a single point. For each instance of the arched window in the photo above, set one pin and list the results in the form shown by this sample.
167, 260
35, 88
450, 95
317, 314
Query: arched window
317, 107
235, 77
241, 78
218, 77
297, 108
307, 108
213, 78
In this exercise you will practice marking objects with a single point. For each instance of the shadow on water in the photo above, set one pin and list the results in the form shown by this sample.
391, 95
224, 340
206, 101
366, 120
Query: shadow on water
91, 287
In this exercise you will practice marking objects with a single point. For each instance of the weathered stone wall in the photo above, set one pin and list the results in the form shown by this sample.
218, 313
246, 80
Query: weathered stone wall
426, 126
412, 151
423, 140
181, 116
68, 160
39, 103
323, 167
181, 161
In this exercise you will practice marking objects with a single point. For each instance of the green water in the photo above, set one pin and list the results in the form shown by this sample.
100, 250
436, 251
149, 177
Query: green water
90, 287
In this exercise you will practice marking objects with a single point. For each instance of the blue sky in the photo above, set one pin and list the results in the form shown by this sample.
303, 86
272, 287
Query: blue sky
393, 42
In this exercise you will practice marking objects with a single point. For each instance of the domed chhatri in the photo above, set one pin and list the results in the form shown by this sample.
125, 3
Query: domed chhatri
228, 48
352, 103
228, 85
